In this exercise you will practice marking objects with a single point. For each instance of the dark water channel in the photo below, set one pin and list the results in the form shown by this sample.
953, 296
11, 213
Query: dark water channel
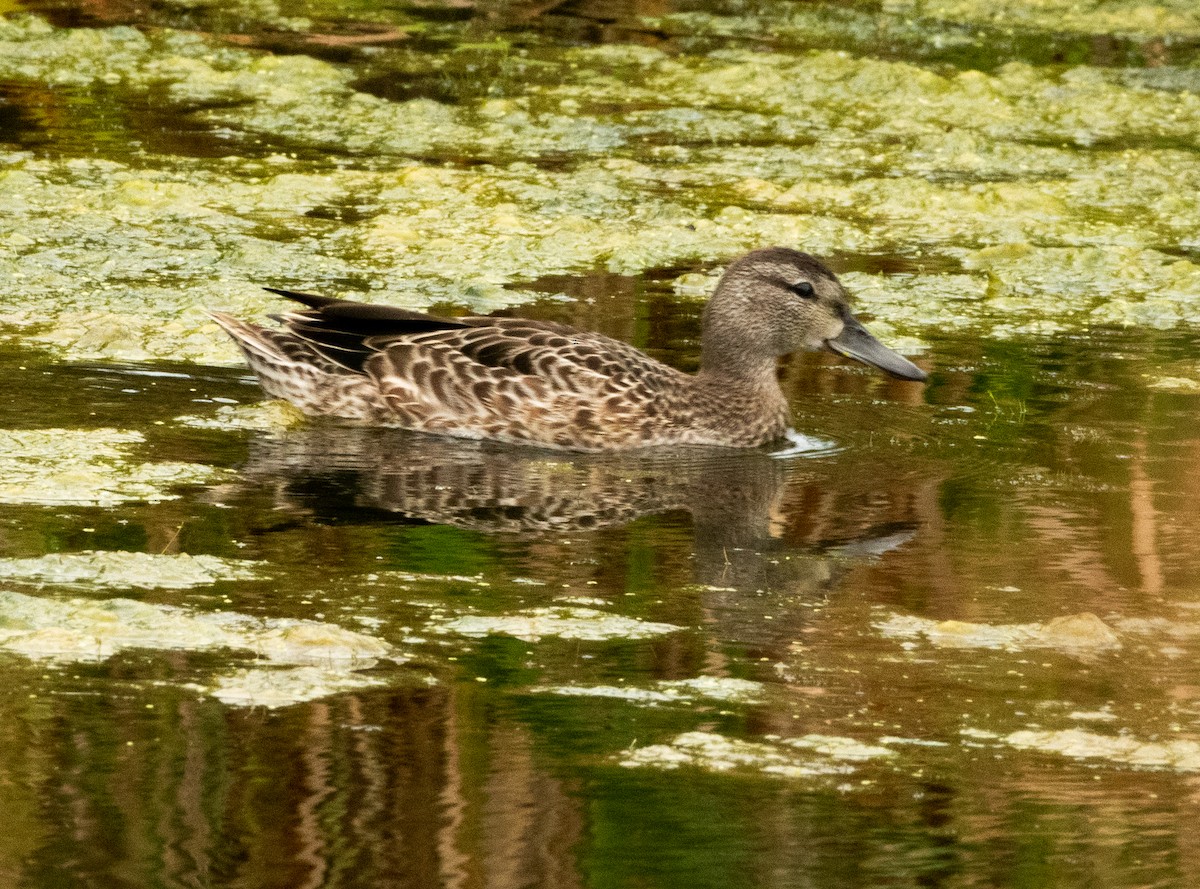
949, 636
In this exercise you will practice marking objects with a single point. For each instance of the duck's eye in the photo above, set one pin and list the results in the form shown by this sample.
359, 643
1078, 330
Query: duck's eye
804, 289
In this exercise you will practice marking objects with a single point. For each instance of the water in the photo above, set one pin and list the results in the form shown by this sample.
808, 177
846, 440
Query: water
947, 636
470, 763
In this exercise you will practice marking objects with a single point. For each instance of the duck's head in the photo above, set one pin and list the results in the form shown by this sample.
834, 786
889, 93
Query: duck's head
776, 301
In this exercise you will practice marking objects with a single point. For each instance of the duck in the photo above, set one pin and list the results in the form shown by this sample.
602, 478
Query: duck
550, 385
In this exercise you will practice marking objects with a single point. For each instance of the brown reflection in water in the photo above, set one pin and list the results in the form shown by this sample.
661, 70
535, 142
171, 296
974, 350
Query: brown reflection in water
329, 791
1072, 505
743, 545
408, 788
527, 827
455, 863
600, 301
442, 787
1144, 531
638, 310
1092, 828
312, 853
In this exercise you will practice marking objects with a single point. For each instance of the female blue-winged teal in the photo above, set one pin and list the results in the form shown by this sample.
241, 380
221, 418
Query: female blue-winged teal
550, 385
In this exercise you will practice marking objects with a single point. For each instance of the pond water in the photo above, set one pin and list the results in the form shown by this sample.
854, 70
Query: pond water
947, 636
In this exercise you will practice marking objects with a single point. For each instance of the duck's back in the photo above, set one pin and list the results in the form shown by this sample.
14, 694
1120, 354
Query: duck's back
526, 381
500, 378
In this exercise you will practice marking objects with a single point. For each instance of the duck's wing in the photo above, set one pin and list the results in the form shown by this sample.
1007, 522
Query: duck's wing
557, 353
522, 381
505, 378
350, 333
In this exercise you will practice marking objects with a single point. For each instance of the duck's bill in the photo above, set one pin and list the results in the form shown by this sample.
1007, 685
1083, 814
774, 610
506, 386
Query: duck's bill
855, 342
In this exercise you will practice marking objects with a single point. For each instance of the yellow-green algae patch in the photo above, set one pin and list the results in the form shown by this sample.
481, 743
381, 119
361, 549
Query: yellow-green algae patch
672, 691
282, 687
78, 630
1162, 627
533, 624
819, 92
1082, 633
274, 418
127, 569
1179, 755
1174, 384
139, 254
672, 158
805, 757
86, 629
1135, 18
938, 25
87, 467
246, 16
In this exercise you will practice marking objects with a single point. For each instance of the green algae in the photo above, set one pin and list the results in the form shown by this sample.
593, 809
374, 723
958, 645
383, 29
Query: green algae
1073, 634
672, 159
533, 624
1163, 18
812, 756
273, 418
670, 691
302, 659
87, 467
1175, 384
1180, 755
824, 94
85, 629
286, 686
961, 32
1161, 628
127, 569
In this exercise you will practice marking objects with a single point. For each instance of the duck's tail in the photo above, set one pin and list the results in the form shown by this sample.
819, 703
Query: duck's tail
254, 341
283, 364
289, 368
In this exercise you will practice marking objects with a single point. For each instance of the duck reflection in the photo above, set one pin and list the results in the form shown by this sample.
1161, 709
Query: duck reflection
347, 473
759, 521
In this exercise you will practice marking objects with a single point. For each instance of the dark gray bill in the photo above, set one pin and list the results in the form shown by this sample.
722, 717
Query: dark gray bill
855, 342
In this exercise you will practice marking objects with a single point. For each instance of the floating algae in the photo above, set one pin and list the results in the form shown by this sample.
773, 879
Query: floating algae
1137, 18
1180, 755
271, 417
1175, 384
673, 691
80, 630
127, 569
87, 467
1001, 177
1072, 634
804, 757
533, 624
938, 28
282, 687
85, 629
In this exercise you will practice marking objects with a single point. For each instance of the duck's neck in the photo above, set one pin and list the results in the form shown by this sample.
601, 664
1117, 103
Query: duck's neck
729, 351
747, 405
758, 374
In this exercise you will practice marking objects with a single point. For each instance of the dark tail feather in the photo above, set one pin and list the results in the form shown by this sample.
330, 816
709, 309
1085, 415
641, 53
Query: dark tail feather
309, 299
363, 319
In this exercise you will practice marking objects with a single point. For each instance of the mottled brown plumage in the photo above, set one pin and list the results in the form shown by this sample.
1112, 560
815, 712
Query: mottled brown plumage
550, 385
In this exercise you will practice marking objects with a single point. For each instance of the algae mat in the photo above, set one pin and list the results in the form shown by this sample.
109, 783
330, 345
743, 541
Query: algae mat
1040, 199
